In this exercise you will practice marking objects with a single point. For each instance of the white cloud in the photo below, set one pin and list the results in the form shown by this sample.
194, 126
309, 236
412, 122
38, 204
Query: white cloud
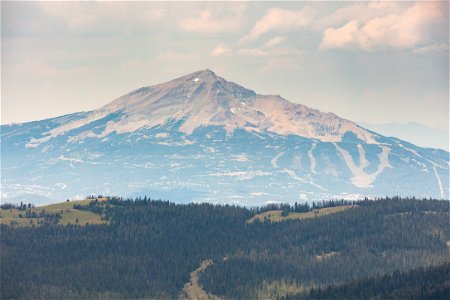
409, 29
274, 41
206, 22
341, 37
280, 19
221, 50
362, 12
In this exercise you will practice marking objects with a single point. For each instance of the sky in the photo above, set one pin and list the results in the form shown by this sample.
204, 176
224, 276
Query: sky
377, 62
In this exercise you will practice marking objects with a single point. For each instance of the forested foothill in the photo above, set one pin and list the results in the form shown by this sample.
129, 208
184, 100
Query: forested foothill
385, 248
422, 283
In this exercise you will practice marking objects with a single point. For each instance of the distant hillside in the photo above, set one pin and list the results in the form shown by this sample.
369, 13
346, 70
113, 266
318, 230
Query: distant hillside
157, 249
413, 132
63, 213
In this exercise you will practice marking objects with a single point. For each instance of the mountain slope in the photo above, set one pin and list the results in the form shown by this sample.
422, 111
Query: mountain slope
202, 138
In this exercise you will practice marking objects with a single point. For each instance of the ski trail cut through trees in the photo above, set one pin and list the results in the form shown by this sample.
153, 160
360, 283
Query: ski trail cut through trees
441, 189
312, 159
360, 177
275, 159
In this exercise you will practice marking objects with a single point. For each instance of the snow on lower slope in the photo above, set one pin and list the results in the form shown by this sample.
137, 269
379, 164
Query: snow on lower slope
73, 124
441, 188
202, 99
312, 159
294, 175
274, 160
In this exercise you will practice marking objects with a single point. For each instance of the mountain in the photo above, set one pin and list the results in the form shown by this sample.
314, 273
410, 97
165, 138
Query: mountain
202, 138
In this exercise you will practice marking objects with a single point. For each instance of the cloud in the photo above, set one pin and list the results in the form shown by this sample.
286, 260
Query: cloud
280, 19
362, 12
274, 41
412, 28
341, 37
221, 50
206, 22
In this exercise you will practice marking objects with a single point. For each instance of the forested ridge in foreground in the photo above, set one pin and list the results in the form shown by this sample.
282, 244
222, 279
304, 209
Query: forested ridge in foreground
422, 283
149, 248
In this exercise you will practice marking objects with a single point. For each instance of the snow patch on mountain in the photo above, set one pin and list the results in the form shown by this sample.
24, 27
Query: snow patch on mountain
274, 160
72, 124
294, 175
312, 159
62, 157
441, 188
242, 175
240, 157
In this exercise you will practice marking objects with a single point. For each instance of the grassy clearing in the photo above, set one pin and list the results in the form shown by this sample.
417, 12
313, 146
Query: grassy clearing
270, 215
69, 215
278, 289
84, 217
325, 256
275, 215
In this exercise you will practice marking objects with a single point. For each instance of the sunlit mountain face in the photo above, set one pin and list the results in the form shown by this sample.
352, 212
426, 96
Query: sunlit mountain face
202, 138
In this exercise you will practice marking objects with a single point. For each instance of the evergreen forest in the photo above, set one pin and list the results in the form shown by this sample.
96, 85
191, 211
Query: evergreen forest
385, 248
